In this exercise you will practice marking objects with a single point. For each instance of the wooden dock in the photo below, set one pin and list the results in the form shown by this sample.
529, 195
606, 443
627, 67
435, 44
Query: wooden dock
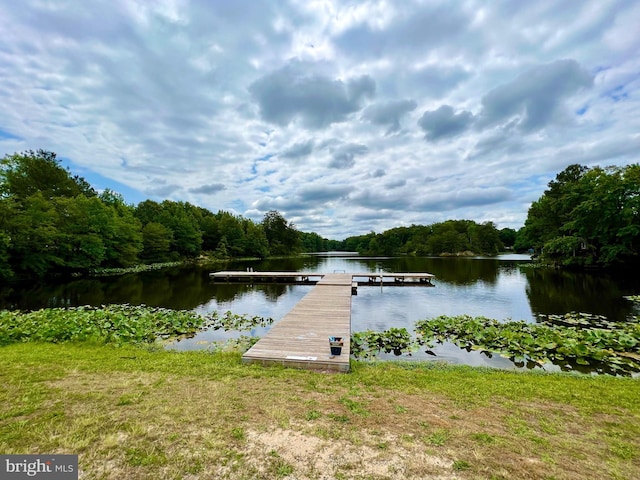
311, 278
301, 338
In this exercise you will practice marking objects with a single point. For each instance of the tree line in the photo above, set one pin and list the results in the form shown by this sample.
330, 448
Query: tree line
588, 217
449, 237
54, 222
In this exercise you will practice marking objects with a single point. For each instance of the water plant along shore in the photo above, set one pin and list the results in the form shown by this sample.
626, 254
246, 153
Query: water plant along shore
568, 340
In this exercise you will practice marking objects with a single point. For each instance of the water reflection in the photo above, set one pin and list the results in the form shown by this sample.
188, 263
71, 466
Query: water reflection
558, 292
494, 287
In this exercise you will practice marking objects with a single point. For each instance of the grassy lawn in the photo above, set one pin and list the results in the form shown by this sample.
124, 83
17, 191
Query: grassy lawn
137, 413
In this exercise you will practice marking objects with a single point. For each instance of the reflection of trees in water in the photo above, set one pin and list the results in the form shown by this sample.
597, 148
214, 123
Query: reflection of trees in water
182, 288
561, 291
548, 291
458, 271
273, 291
285, 264
189, 287
179, 288
225, 292
43, 295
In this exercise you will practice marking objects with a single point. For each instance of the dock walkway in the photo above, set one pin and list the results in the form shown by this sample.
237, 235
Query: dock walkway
301, 338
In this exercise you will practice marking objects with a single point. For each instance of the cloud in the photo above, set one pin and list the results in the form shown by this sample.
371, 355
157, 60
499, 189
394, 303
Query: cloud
389, 113
531, 101
321, 109
293, 92
395, 184
444, 122
324, 193
298, 150
381, 199
535, 97
209, 189
436, 80
411, 27
454, 200
344, 156
163, 191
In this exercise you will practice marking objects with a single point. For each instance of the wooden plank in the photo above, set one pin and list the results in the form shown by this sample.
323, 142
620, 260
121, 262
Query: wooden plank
301, 338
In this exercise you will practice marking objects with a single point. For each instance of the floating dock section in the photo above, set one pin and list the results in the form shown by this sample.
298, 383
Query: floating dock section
301, 338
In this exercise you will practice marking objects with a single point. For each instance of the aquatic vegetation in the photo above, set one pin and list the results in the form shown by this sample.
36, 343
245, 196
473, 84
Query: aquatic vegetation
106, 324
633, 298
578, 319
230, 321
369, 343
615, 348
107, 272
114, 324
570, 340
533, 265
240, 344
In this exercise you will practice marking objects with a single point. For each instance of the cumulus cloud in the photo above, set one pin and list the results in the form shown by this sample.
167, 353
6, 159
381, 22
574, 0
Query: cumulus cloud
395, 184
298, 150
344, 156
535, 97
444, 122
293, 92
389, 113
321, 193
456, 199
436, 80
381, 199
321, 110
531, 101
411, 26
209, 189
163, 190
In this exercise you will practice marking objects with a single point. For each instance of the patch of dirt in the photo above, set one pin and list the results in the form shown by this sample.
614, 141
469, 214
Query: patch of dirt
315, 458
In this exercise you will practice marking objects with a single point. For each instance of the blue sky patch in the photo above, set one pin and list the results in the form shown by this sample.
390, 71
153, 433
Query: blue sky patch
4, 135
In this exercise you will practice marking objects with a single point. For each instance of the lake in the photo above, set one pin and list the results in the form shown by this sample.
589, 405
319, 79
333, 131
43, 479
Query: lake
494, 287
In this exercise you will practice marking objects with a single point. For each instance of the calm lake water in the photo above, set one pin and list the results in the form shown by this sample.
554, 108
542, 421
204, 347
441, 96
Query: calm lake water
492, 287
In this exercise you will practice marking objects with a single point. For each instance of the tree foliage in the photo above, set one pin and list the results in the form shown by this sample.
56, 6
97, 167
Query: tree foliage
312, 242
28, 173
282, 236
587, 217
54, 222
449, 237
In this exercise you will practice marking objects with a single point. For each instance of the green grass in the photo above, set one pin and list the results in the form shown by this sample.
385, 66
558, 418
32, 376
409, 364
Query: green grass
141, 412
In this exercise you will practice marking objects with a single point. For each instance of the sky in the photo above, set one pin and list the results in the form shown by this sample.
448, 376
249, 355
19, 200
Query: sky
345, 116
